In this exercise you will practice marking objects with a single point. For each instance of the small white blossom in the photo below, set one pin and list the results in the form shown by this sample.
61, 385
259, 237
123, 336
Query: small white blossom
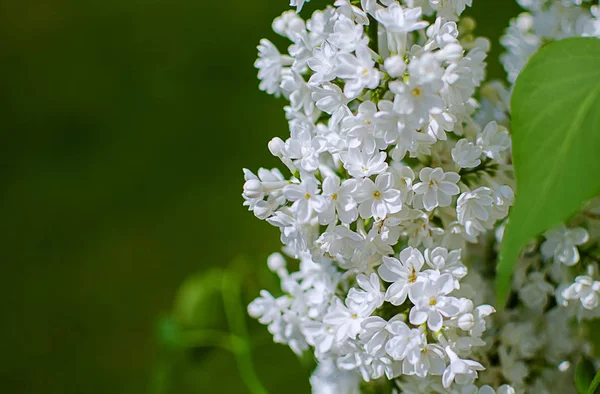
432, 303
360, 164
304, 196
403, 274
446, 261
331, 100
436, 187
298, 4
370, 297
466, 154
493, 140
346, 319
474, 209
535, 293
337, 198
464, 372
347, 35
270, 66
358, 71
379, 198
561, 244
586, 290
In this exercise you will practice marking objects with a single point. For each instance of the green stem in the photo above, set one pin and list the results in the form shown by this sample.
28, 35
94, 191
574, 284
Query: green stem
231, 287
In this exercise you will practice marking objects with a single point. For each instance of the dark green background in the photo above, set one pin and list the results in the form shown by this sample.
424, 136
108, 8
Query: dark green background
125, 125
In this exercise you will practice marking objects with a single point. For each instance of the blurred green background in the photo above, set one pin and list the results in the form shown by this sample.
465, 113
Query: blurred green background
125, 125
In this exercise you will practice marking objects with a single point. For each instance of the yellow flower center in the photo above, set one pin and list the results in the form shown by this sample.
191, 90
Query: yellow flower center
412, 276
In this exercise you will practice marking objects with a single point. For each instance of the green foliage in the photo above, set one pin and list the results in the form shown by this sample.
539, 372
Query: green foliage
587, 379
584, 374
556, 144
195, 323
593, 389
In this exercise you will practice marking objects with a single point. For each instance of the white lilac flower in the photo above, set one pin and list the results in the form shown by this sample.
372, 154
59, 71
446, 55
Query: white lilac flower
561, 244
474, 209
395, 66
418, 98
270, 66
324, 64
534, 294
398, 22
375, 335
430, 359
522, 338
464, 372
304, 149
360, 164
298, 4
298, 92
290, 26
493, 140
331, 100
266, 309
346, 319
340, 242
389, 123
418, 228
304, 196
504, 389
369, 295
403, 274
268, 183
432, 303
329, 379
292, 234
347, 35
387, 230
446, 261
504, 198
378, 91
436, 187
404, 178
586, 290
358, 71
337, 198
466, 154
404, 340
450, 9
360, 129
378, 199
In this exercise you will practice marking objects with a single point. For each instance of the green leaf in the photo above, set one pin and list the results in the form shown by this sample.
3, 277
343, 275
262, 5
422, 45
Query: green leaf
584, 374
198, 301
556, 144
594, 385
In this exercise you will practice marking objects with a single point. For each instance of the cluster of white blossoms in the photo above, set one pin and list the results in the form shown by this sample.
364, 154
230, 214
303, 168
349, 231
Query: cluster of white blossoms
557, 284
546, 21
398, 189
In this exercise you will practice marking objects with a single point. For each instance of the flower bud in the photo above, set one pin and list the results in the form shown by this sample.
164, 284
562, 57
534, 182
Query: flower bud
395, 66
466, 322
253, 189
275, 262
262, 210
277, 147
